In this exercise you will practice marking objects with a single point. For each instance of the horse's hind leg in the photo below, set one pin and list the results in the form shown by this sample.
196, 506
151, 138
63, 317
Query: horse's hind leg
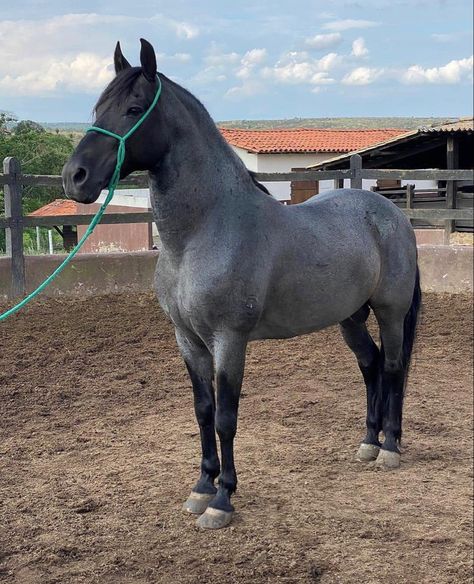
394, 373
200, 367
355, 333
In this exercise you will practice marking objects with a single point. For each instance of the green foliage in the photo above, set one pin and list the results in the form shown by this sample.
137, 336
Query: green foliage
6, 119
39, 152
28, 126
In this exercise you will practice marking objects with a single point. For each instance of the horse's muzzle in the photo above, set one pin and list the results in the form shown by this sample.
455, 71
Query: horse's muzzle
79, 185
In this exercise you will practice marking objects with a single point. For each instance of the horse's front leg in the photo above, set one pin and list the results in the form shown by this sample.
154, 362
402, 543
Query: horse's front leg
200, 367
229, 358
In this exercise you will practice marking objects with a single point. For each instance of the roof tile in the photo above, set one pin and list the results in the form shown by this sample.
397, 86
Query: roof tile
56, 208
305, 139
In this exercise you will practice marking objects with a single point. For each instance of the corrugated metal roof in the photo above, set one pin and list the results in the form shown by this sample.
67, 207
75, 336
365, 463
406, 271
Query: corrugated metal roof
305, 139
461, 125
464, 125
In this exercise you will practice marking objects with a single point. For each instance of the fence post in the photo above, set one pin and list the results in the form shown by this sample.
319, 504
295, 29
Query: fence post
14, 233
452, 162
356, 167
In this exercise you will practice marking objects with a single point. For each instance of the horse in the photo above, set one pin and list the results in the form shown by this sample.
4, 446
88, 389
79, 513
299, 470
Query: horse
236, 266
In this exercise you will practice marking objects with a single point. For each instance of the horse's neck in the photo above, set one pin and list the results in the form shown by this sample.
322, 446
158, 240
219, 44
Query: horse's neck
198, 177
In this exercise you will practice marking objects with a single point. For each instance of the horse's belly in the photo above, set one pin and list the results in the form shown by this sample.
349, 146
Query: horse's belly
279, 325
314, 304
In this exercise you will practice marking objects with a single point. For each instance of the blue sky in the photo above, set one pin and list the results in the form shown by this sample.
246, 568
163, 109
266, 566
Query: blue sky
245, 59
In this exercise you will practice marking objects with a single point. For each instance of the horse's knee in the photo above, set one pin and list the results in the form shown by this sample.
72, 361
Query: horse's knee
226, 425
392, 366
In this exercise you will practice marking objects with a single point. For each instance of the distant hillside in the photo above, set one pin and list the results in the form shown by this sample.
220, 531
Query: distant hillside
336, 123
66, 126
333, 123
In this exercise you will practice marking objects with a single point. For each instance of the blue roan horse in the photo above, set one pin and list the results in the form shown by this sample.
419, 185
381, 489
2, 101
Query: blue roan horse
237, 265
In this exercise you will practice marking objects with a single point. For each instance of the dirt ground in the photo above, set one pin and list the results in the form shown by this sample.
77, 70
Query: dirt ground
99, 448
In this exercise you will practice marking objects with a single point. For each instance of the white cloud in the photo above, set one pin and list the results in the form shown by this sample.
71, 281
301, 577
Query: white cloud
184, 30
453, 72
209, 75
254, 57
250, 61
249, 88
297, 67
71, 52
216, 59
84, 72
362, 76
359, 49
219, 66
176, 58
340, 25
329, 61
324, 41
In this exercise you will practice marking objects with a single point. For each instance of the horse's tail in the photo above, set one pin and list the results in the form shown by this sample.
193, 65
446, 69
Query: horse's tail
409, 325
409, 333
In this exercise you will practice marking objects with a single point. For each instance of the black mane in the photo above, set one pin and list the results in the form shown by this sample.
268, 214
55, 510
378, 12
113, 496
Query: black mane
120, 86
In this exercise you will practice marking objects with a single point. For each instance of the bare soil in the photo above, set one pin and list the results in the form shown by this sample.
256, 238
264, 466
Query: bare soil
99, 448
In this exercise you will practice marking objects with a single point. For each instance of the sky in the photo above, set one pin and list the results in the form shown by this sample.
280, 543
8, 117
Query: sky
244, 59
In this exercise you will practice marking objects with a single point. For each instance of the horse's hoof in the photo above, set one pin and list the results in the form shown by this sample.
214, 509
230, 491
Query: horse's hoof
197, 503
214, 519
387, 459
367, 452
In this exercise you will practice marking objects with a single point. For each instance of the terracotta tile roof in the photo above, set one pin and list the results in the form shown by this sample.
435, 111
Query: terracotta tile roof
57, 207
305, 139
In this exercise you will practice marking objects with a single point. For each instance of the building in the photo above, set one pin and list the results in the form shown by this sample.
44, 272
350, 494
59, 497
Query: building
104, 238
448, 146
288, 149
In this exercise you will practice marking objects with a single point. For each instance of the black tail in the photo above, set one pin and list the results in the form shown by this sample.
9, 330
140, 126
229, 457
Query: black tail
409, 328
400, 378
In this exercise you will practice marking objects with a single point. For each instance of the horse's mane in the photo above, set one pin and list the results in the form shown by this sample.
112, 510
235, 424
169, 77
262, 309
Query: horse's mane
122, 84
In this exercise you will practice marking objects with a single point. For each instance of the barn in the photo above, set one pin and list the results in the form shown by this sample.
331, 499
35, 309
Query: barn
444, 146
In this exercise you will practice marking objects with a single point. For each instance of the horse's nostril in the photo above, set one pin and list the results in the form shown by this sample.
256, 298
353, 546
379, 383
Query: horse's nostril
80, 175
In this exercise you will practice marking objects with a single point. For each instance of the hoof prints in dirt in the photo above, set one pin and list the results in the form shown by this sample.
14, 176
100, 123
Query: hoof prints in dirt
99, 449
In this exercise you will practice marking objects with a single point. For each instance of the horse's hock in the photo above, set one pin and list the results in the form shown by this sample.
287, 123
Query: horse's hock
444, 268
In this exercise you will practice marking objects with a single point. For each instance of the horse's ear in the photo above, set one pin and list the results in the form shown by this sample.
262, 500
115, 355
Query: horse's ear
148, 60
120, 62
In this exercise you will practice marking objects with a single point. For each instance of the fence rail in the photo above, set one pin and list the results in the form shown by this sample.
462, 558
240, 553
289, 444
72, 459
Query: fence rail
14, 221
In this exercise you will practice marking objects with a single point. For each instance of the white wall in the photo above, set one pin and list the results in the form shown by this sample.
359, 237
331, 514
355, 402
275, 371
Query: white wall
128, 198
285, 162
281, 163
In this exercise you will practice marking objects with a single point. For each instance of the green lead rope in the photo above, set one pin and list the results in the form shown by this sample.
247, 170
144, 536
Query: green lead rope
98, 216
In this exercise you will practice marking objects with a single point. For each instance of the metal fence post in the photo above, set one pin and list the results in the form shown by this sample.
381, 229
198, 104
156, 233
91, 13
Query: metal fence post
14, 233
356, 167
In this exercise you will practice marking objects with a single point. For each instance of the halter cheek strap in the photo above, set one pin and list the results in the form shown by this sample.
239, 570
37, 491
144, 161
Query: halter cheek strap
121, 139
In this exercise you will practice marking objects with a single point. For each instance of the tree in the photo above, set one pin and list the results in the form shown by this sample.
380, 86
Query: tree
6, 119
39, 152
28, 126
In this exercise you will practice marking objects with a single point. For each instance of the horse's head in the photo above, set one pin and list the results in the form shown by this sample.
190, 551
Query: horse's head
119, 108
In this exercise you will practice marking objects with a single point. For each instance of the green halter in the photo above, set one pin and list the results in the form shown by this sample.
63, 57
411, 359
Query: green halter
98, 216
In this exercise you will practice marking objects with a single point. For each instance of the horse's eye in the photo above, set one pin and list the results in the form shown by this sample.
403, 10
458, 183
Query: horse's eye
134, 111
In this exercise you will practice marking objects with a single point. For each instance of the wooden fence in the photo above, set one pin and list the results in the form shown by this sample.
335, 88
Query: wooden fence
14, 221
